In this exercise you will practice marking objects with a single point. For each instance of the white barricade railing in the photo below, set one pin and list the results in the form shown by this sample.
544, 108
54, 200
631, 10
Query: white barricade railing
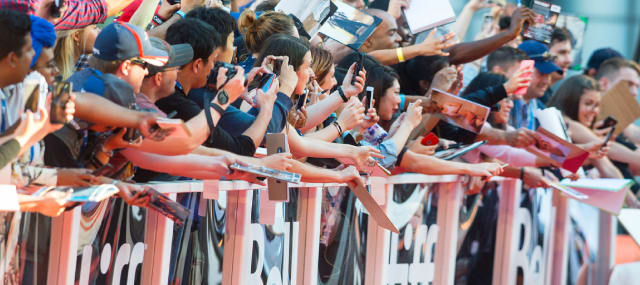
541, 261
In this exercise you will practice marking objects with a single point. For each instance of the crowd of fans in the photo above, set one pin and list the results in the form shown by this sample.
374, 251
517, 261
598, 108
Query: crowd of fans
195, 61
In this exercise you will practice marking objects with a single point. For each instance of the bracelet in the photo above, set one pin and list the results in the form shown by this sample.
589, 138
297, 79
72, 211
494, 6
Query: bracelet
337, 125
181, 14
522, 173
344, 98
400, 54
157, 21
401, 155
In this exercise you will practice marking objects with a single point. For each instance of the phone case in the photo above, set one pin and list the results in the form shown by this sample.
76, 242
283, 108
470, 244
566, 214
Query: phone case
524, 64
430, 139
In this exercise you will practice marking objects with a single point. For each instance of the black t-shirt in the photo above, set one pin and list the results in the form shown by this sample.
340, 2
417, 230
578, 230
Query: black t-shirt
221, 139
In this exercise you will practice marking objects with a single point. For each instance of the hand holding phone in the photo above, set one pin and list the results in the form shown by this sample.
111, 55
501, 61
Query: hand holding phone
302, 101
525, 65
358, 68
60, 97
430, 139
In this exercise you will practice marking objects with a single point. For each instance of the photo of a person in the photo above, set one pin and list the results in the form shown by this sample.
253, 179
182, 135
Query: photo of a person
459, 112
557, 151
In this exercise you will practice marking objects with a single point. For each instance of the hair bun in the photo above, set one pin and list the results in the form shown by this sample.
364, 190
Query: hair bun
247, 20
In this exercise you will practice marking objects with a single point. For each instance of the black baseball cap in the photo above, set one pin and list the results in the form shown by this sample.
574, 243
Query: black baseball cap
179, 55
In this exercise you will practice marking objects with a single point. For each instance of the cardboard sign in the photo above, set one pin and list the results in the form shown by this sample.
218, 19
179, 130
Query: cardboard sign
604, 193
558, 152
373, 208
620, 103
278, 190
424, 15
349, 26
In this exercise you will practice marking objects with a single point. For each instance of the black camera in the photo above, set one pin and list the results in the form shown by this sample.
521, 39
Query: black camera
212, 81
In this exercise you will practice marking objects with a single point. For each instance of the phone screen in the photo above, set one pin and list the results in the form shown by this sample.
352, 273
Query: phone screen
61, 96
277, 66
266, 82
359, 66
369, 97
301, 101
606, 140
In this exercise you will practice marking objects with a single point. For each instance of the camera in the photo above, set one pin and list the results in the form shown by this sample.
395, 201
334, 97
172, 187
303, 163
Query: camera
212, 83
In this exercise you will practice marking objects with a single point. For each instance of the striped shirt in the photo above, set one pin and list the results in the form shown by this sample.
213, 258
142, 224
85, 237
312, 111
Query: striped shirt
78, 14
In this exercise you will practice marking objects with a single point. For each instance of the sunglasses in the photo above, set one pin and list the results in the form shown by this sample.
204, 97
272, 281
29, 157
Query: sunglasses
547, 56
140, 63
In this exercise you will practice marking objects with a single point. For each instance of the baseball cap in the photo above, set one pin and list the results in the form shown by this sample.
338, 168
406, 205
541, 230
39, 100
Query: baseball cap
600, 55
540, 53
179, 55
120, 41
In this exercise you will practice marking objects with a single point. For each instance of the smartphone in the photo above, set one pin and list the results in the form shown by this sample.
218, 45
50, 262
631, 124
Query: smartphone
34, 97
528, 63
430, 139
266, 82
359, 66
61, 96
302, 100
277, 66
369, 97
609, 121
606, 140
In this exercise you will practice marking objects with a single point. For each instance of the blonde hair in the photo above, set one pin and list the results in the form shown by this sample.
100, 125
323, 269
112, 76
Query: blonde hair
64, 52
256, 30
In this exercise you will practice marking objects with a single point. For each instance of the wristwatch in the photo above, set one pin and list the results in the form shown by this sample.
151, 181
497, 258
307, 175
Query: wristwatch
222, 97
217, 107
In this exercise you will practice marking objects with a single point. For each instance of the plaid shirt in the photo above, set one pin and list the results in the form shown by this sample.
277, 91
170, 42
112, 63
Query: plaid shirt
83, 62
79, 13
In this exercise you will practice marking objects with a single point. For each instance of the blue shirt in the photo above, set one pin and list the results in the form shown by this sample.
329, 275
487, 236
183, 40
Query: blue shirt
522, 114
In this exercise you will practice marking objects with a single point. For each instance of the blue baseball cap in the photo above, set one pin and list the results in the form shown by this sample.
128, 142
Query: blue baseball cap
601, 55
540, 53
42, 35
121, 41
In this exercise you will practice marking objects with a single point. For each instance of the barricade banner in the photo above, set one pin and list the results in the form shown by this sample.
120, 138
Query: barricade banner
197, 247
110, 243
343, 238
414, 210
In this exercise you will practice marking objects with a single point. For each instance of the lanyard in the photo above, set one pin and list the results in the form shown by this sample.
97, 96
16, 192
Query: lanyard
3, 127
531, 123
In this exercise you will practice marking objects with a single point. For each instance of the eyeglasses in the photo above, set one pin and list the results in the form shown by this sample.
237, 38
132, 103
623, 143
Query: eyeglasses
140, 63
546, 56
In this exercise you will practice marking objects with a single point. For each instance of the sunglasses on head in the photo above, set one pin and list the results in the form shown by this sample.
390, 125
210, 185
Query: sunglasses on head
140, 63
547, 56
